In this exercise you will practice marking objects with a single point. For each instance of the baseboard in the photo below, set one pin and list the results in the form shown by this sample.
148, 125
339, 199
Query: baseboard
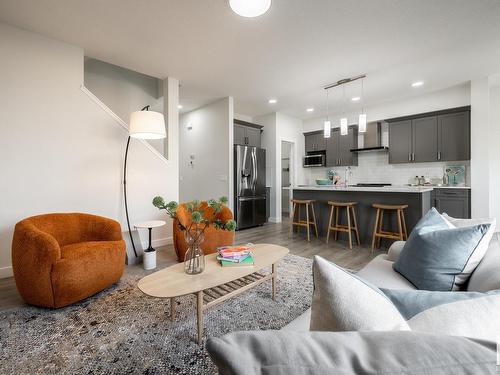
6, 272
158, 242
274, 220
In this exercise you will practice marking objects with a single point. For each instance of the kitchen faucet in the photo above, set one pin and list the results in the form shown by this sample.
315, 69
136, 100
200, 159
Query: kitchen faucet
348, 174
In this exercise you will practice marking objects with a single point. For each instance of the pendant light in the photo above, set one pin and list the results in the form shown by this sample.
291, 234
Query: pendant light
327, 124
362, 115
343, 121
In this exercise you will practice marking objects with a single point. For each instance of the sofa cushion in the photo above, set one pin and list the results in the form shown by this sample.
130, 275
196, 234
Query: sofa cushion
345, 302
470, 314
435, 256
486, 276
279, 352
380, 273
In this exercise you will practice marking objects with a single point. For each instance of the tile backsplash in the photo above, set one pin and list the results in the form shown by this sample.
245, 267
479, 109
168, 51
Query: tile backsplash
374, 167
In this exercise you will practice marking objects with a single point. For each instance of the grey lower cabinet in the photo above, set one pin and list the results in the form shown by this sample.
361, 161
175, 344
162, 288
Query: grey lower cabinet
338, 148
454, 202
247, 135
439, 136
314, 141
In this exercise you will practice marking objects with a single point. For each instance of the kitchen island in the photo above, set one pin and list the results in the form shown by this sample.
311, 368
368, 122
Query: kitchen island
418, 200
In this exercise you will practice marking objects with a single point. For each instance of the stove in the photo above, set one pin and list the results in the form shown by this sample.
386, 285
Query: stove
372, 184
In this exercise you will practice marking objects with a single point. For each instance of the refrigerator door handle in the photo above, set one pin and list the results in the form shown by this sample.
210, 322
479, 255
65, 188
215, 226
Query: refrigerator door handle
245, 199
254, 167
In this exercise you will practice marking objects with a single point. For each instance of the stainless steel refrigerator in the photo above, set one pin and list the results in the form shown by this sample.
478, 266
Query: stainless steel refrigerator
249, 186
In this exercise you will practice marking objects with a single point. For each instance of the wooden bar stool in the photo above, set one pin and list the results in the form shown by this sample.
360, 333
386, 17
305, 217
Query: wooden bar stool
350, 227
379, 233
304, 223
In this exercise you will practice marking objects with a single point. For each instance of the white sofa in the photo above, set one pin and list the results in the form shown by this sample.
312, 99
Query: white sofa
379, 272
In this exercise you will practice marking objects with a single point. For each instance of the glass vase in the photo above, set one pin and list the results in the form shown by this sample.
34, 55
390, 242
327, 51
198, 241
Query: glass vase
194, 260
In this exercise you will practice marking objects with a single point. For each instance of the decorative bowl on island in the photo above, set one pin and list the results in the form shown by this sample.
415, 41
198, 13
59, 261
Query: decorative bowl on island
323, 181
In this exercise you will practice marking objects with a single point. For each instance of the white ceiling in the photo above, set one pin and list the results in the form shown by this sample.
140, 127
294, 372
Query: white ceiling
289, 53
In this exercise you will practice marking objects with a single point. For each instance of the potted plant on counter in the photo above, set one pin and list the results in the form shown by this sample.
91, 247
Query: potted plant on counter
193, 219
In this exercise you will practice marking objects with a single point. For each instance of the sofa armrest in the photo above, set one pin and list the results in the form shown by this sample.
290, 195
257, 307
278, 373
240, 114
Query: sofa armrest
395, 250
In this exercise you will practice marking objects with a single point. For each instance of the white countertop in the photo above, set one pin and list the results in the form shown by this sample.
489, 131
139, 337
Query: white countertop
387, 189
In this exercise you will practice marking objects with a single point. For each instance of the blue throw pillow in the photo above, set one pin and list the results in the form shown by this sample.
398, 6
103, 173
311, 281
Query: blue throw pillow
436, 252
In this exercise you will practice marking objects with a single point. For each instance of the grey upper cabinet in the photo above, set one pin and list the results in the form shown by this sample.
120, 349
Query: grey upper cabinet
338, 148
248, 134
314, 142
400, 142
239, 135
253, 137
454, 136
439, 136
424, 136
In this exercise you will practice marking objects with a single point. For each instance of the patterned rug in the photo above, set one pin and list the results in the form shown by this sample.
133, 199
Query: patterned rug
123, 331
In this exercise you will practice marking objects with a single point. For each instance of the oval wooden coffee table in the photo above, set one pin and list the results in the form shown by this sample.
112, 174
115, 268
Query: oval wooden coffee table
216, 284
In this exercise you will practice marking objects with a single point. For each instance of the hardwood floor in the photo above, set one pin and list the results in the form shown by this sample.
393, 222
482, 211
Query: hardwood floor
272, 233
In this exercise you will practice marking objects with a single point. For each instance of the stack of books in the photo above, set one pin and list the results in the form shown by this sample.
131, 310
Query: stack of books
235, 256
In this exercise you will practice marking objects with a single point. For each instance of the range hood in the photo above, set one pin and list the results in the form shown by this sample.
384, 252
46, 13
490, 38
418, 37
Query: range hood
376, 138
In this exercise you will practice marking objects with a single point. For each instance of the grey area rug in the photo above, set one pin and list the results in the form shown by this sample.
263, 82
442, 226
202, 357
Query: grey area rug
123, 331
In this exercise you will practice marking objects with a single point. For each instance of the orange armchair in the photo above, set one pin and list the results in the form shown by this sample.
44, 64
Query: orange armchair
59, 259
214, 237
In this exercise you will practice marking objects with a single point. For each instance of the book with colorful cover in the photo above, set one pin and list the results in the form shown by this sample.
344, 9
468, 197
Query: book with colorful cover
247, 262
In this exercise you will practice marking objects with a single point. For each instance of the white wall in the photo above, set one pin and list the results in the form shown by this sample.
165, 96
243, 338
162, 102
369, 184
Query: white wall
124, 91
209, 174
59, 151
495, 153
279, 127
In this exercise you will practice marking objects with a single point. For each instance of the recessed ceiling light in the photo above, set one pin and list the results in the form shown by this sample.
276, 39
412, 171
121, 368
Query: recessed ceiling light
417, 84
310, 109
179, 106
355, 99
250, 8
273, 101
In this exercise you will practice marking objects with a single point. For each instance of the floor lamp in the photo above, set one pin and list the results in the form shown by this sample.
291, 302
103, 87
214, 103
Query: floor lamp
144, 124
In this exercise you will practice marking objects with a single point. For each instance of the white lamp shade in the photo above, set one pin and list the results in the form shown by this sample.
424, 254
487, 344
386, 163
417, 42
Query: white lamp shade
327, 129
362, 123
343, 126
147, 125
250, 8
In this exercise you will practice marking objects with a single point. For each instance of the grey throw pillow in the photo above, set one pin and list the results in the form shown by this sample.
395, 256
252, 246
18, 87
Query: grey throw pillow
436, 255
344, 302
290, 353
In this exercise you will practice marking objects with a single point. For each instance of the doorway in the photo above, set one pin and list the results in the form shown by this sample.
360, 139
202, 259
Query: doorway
286, 177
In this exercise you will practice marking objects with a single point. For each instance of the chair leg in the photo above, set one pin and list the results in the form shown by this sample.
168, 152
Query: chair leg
336, 222
307, 221
355, 225
380, 224
314, 219
375, 229
293, 218
405, 233
349, 227
400, 226
329, 223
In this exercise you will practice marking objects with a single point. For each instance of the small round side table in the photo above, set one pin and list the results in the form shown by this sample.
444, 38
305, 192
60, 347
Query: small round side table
149, 257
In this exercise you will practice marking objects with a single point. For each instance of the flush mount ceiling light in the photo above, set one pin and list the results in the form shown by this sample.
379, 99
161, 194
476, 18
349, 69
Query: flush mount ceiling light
272, 101
250, 8
179, 106
310, 110
356, 99
417, 84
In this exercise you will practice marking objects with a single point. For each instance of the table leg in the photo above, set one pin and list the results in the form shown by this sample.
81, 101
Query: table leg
273, 268
150, 248
199, 312
172, 308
